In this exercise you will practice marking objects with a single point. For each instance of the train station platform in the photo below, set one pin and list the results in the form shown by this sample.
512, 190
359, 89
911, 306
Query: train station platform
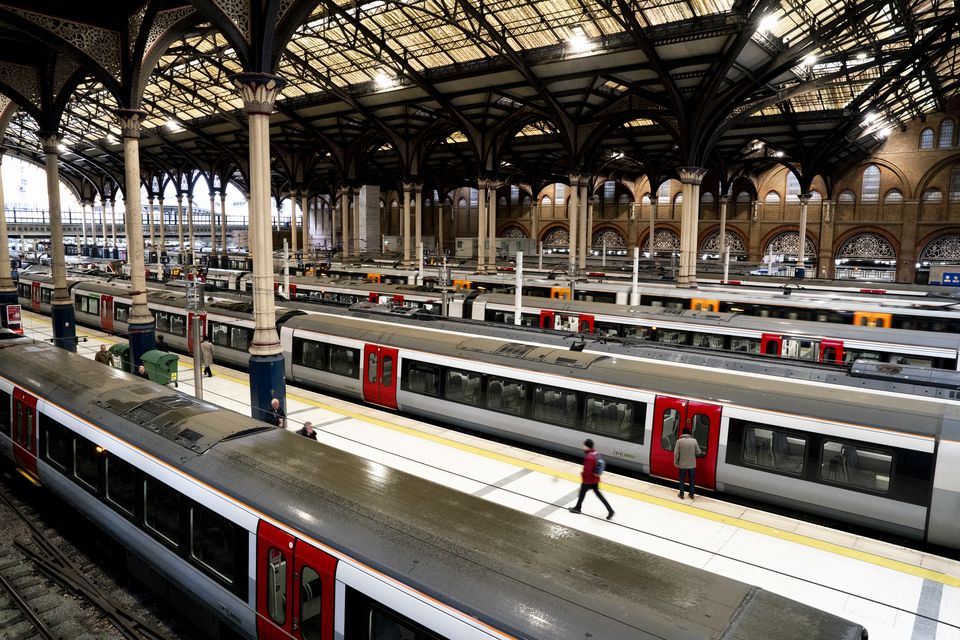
897, 593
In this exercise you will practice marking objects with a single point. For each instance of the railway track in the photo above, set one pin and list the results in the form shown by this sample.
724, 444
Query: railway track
52, 589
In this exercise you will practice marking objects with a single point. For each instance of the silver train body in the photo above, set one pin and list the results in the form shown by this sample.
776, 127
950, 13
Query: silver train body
273, 540
884, 457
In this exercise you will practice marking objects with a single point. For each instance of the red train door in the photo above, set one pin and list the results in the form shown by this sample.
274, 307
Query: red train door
295, 587
671, 416
770, 344
203, 323
586, 323
547, 319
831, 351
25, 431
106, 313
380, 375
292, 291
35, 296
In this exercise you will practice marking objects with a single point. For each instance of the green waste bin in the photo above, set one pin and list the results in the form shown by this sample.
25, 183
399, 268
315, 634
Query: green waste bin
121, 356
161, 366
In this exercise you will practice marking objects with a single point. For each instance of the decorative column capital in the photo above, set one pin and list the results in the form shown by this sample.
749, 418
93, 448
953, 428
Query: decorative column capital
130, 121
407, 187
418, 187
482, 183
50, 142
804, 197
724, 199
691, 175
258, 90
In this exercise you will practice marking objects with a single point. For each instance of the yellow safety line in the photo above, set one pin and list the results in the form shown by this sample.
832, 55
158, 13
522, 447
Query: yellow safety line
773, 532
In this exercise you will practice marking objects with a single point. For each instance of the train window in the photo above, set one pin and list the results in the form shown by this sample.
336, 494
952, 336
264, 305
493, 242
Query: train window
240, 338
276, 585
508, 396
161, 511
671, 429
308, 353
212, 542
386, 625
46, 295
774, 449
121, 484
311, 588
745, 345
911, 360
57, 448
850, 355
344, 361
707, 341
558, 406
178, 324
121, 311
854, 465
372, 367
87, 304
386, 377
669, 336
701, 431
462, 386
614, 418
5, 413
86, 462
422, 378
162, 321
219, 334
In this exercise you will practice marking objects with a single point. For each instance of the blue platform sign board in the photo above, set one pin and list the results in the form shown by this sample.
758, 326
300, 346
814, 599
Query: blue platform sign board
952, 279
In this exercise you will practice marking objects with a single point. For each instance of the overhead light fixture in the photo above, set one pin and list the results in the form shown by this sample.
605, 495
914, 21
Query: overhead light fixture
578, 41
809, 61
869, 118
383, 79
861, 56
883, 133
779, 154
62, 148
173, 125
767, 24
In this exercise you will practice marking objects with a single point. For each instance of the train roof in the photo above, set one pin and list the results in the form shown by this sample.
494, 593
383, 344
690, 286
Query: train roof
536, 578
839, 399
606, 311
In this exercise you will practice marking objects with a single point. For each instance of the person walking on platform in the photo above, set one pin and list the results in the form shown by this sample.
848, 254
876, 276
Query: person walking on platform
590, 478
142, 372
685, 454
307, 431
161, 344
206, 356
103, 356
277, 417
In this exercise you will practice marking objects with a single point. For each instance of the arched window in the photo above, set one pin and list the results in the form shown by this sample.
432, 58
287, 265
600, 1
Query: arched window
624, 199
933, 196
514, 194
847, 197
645, 199
462, 203
678, 199
663, 193
526, 201
609, 191
870, 189
894, 196
815, 196
946, 134
772, 198
546, 202
955, 184
926, 138
428, 202
706, 196
561, 191
394, 204
743, 196
474, 197
502, 201
793, 187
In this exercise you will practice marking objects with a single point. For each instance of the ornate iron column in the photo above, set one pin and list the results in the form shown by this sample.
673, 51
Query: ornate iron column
224, 263
573, 224
405, 222
140, 322
259, 92
8, 290
418, 215
482, 224
801, 249
64, 324
690, 177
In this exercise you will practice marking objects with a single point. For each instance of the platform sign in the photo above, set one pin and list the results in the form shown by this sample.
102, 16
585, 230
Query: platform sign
13, 314
951, 279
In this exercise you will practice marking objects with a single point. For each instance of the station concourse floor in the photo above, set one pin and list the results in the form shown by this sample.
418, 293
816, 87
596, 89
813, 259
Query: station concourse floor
895, 592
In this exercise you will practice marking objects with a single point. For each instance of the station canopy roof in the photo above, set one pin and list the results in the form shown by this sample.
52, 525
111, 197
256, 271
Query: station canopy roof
535, 88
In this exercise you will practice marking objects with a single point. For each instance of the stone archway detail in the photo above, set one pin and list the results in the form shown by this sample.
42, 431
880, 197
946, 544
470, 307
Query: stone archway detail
514, 232
612, 238
666, 240
787, 243
556, 237
711, 243
945, 248
867, 245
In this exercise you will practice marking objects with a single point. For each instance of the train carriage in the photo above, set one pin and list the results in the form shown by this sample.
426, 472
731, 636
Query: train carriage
274, 540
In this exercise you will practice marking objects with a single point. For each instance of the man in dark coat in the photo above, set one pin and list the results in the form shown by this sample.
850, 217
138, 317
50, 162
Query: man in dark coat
277, 416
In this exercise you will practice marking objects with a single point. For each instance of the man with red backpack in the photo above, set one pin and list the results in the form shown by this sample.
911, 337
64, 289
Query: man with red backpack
593, 467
